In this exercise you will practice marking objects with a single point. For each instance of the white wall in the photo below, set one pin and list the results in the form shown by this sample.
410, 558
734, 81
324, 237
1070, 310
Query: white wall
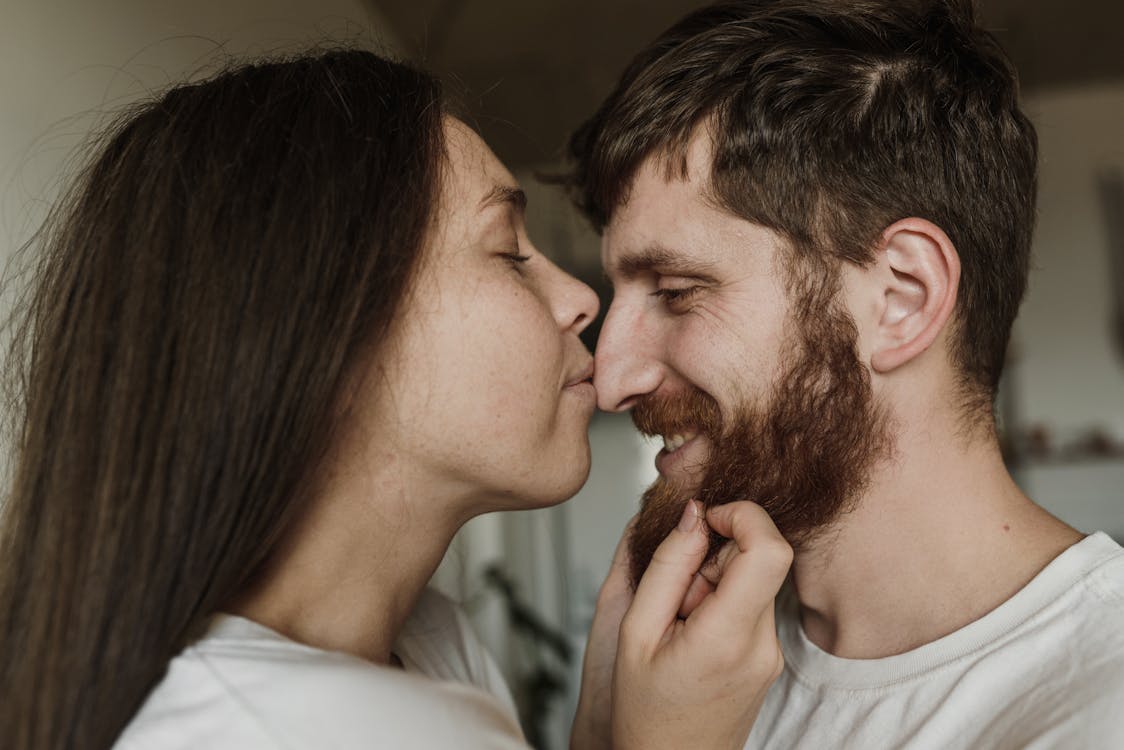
1065, 372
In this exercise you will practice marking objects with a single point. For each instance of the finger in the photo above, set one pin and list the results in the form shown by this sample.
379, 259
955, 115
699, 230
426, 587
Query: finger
620, 555
756, 546
712, 570
617, 581
700, 589
750, 571
744, 523
668, 577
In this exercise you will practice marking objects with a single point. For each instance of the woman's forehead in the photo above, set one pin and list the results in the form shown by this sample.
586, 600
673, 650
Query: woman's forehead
474, 182
472, 166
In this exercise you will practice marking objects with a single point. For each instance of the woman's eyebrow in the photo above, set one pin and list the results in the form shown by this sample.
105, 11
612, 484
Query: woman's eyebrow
509, 194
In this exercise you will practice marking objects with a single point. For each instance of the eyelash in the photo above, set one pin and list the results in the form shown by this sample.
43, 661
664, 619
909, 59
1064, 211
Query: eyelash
671, 296
515, 259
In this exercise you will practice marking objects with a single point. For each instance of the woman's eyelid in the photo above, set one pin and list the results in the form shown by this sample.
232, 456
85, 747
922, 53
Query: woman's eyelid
515, 244
516, 256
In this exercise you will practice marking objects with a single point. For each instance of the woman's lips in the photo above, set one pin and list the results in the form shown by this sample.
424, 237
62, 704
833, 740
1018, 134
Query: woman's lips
583, 388
583, 377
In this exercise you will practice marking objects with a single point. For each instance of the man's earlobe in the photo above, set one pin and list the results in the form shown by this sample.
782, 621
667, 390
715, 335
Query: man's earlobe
920, 276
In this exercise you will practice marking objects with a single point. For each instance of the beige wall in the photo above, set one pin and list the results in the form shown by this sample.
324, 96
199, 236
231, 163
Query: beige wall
1069, 373
1066, 373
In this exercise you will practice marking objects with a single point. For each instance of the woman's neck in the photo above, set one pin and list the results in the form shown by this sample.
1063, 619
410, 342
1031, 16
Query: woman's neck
352, 566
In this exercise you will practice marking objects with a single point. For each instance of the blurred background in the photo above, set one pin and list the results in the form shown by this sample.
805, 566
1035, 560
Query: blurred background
526, 73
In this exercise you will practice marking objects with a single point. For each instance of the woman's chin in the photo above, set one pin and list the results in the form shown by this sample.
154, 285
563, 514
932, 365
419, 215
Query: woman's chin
572, 488
579, 473
565, 483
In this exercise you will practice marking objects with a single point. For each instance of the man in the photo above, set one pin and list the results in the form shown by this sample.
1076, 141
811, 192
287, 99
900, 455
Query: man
816, 217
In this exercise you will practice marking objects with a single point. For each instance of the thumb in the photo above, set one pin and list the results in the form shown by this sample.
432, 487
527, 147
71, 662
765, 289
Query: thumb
615, 595
668, 577
617, 580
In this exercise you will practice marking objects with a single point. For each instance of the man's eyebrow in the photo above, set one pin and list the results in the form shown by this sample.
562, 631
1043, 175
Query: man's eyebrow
659, 259
509, 194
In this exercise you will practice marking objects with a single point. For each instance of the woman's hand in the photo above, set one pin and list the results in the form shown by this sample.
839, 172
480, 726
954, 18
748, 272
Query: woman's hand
593, 729
693, 682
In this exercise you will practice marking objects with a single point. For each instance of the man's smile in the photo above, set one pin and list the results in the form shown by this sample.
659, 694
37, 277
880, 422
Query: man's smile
672, 443
683, 456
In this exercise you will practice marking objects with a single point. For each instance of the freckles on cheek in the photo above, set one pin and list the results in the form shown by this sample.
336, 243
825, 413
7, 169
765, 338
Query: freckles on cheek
524, 390
507, 358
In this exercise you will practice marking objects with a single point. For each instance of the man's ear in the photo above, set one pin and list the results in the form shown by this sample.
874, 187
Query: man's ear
919, 275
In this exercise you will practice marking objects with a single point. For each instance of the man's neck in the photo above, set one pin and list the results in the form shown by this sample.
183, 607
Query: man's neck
942, 537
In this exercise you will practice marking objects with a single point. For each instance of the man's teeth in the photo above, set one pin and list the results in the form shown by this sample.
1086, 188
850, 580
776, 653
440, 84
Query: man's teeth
675, 442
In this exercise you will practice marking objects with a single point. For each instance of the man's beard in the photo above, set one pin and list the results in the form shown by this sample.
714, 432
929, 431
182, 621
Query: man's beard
805, 457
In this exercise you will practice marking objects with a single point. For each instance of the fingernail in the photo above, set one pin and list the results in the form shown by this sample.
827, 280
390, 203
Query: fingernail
690, 517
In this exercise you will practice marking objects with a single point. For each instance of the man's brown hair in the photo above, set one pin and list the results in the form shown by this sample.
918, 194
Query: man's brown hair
832, 120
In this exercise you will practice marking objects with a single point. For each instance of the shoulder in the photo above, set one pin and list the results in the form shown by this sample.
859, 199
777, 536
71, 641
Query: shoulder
250, 689
1100, 677
1081, 631
436, 613
1077, 692
439, 641
436, 638
1106, 575
1084, 712
1097, 605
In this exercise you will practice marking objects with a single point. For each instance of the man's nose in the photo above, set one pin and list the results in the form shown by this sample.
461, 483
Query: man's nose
625, 368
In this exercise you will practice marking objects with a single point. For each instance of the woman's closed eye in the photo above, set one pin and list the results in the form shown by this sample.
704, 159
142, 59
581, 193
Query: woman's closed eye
515, 259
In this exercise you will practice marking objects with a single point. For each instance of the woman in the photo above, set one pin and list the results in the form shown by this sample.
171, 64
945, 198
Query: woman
287, 336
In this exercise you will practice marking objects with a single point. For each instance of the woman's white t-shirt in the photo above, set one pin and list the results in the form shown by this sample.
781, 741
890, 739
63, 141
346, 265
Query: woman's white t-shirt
245, 687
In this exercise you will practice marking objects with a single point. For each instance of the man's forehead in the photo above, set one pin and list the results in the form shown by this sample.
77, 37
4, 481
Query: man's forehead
686, 237
664, 225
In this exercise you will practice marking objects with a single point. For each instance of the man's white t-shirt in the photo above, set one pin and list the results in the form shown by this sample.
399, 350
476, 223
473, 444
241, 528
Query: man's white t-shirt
1043, 670
245, 687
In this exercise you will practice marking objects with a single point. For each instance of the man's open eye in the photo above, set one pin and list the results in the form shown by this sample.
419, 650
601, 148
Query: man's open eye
675, 296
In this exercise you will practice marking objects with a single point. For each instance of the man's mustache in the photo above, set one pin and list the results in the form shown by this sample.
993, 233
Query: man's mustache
691, 410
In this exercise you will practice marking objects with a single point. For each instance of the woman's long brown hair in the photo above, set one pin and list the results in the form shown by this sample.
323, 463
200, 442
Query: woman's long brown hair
232, 250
